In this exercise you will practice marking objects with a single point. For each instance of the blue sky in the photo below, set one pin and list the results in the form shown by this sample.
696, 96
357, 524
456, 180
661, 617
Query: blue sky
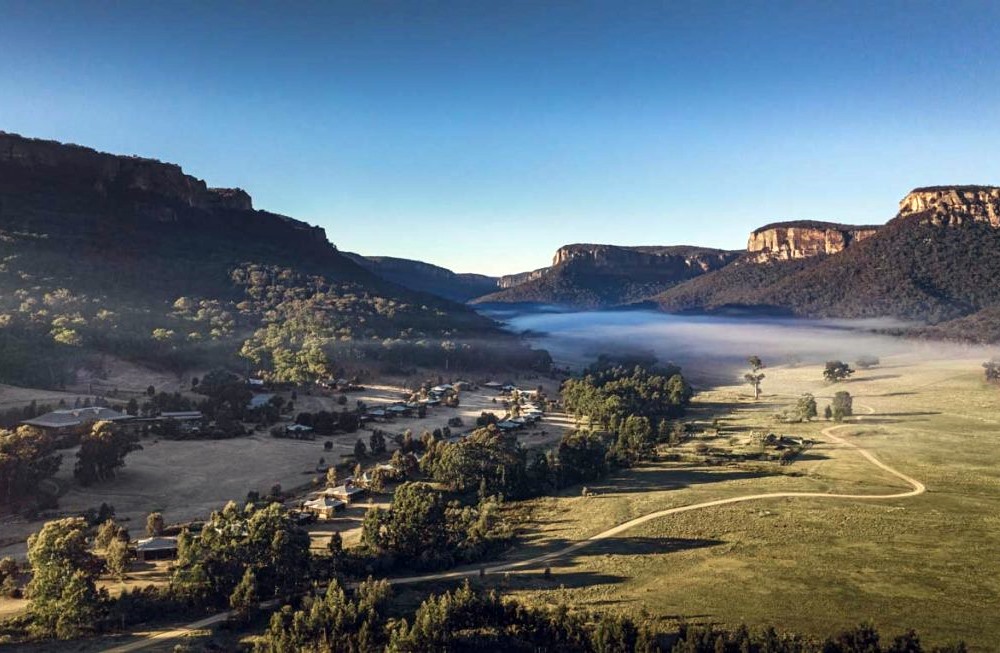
483, 135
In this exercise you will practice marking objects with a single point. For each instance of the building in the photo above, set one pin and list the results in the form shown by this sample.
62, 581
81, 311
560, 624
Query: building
346, 493
258, 401
71, 420
299, 431
183, 416
324, 507
156, 548
399, 410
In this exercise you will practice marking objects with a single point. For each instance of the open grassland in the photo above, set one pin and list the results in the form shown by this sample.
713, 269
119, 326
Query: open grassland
812, 565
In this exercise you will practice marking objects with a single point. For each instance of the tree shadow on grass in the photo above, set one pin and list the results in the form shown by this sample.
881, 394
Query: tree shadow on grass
877, 377
915, 413
641, 546
726, 408
655, 480
810, 456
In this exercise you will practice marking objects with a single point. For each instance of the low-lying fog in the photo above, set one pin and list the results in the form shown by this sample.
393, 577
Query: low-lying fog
715, 348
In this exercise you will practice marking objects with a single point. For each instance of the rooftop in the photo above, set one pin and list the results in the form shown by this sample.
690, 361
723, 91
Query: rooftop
75, 417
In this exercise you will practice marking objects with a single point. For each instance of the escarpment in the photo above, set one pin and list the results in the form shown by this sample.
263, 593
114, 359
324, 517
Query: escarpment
108, 173
593, 275
953, 205
785, 241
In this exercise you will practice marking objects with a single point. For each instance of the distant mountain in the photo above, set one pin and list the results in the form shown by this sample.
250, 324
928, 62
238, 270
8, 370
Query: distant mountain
596, 276
937, 261
425, 277
122, 255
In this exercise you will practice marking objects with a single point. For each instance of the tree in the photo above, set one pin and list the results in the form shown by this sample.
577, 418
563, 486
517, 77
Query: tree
27, 457
244, 597
359, 450
117, 557
331, 476
102, 451
64, 598
828, 412
155, 524
377, 442
336, 544
755, 376
837, 371
991, 370
843, 406
106, 532
806, 407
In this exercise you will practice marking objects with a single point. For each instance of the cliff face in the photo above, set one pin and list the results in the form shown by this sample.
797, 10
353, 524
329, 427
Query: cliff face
679, 259
86, 193
785, 241
511, 280
611, 256
109, 172
953, 205
592, 276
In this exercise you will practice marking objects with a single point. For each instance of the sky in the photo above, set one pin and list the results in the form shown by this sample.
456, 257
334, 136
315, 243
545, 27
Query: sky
481, 136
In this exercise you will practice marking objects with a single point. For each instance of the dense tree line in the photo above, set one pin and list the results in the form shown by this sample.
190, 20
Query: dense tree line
467, 619
635, 405
607, 394
421, 529
264, 541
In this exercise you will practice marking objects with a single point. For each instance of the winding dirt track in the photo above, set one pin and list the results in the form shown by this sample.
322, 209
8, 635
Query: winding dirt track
917, 489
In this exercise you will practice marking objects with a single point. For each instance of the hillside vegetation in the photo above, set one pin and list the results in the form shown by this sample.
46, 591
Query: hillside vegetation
911, 269
102, 254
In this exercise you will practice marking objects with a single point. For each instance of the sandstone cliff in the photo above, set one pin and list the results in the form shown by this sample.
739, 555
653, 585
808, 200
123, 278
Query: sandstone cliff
511, 280
953, 205
108, 172
41, 181
785, 241
589, 275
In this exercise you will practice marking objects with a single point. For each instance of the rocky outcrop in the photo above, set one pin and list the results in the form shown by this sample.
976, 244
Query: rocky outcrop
107, 173
953, 205
620, 259
588, 275
511, 280
613, 256
785, 241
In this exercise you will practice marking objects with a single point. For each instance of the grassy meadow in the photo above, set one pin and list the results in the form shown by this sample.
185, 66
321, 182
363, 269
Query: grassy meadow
811, 565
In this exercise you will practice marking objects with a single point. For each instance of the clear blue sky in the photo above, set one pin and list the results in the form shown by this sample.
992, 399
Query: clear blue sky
483, 135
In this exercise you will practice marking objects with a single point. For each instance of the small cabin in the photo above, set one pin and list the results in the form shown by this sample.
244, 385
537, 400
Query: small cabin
156, 548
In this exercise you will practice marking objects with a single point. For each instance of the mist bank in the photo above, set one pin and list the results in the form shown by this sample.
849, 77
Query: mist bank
714, 349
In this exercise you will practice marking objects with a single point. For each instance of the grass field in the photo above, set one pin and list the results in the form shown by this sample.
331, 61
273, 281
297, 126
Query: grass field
811, 565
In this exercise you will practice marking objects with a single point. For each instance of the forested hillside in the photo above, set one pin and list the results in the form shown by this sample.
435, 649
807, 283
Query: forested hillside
131, 257
913, 269
600, 276
424, 277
